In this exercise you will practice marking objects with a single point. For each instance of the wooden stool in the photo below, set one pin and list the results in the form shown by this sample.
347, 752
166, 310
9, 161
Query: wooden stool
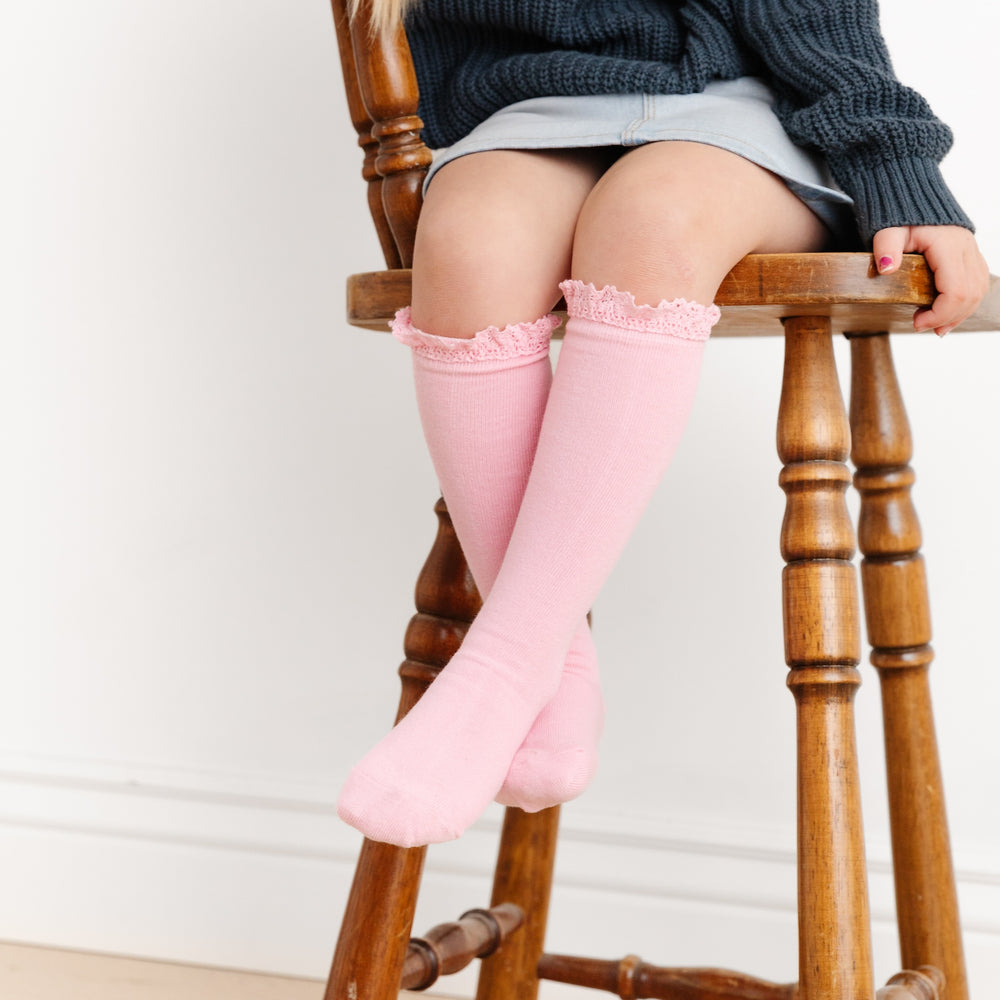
803, 296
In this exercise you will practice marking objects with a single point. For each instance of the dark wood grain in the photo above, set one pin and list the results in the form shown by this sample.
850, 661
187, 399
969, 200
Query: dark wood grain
523, 876
823, 648
387, 85
761, 291
897, 610
633, 979
449, 948
373, 943
925, 983
362, 123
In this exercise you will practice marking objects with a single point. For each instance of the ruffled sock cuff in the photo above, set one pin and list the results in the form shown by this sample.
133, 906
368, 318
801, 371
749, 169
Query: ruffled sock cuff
676, 318
519, 343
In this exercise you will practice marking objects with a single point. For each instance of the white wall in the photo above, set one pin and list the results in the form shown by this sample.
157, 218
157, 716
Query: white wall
217, 501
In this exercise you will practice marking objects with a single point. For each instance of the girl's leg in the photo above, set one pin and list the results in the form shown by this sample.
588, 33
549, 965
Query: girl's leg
482, 397
671, 219
656, 223
495, 237
483, 430
481, 403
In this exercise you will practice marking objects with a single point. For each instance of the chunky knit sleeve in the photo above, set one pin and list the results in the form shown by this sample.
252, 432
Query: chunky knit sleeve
837, 92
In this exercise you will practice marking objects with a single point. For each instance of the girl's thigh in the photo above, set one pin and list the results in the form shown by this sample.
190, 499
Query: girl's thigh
495, 237
670, 219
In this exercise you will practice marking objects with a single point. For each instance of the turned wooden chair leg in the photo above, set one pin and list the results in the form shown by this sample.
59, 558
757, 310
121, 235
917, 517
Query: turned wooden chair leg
525, 866
898, 617
822, 648
374, 937
375, 933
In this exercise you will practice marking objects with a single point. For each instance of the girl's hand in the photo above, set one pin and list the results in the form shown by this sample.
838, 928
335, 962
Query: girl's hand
960, 272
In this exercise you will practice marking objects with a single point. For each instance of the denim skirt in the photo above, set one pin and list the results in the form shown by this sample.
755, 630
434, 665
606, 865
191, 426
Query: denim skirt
736, 115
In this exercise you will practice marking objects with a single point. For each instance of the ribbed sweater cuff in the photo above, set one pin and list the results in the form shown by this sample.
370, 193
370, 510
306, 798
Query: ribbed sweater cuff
905, 192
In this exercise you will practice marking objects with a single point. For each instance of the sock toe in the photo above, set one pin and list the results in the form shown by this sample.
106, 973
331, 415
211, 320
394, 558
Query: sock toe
391, 815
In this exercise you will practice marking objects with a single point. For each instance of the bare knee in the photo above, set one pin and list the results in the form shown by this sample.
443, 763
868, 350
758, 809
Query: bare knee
452, 282
494, 239
673, 221
660, 249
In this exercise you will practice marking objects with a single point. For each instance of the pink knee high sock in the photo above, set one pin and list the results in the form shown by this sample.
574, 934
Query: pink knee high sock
621, 395
481, 405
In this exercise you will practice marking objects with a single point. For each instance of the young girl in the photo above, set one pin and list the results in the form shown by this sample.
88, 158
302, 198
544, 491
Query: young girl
624, 154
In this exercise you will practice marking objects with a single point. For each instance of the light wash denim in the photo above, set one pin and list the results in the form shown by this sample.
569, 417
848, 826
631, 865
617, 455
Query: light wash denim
733, 114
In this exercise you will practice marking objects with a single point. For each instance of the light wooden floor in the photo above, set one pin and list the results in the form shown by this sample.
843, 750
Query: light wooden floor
29, 973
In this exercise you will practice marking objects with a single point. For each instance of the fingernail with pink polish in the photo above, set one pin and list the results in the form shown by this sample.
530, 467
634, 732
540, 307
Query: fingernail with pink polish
884, 263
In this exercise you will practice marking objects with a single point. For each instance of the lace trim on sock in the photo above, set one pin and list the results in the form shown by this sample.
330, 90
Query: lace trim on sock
678, 317
491, 344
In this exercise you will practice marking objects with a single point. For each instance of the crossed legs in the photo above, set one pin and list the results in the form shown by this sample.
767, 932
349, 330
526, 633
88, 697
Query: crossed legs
546, 478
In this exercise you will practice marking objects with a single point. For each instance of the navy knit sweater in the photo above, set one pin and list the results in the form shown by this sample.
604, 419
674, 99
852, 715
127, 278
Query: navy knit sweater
826, 61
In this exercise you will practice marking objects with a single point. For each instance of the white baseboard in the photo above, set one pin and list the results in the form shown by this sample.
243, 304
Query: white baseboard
252, 872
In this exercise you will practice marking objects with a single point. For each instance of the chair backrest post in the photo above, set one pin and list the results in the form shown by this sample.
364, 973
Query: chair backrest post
382, 94
363, 126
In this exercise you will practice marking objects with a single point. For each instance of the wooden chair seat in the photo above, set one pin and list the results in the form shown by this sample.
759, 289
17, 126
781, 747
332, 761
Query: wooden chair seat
761, 291
805, 298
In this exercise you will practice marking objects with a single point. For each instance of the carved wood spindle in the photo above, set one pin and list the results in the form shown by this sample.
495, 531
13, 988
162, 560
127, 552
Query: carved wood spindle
523, 876
633, 979
926, 983
898, 617
372, 947
450, 947
388, 88
363, 126
822, 648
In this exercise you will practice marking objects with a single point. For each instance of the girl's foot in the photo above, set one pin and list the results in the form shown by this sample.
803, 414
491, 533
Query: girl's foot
439, 768
558, 757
